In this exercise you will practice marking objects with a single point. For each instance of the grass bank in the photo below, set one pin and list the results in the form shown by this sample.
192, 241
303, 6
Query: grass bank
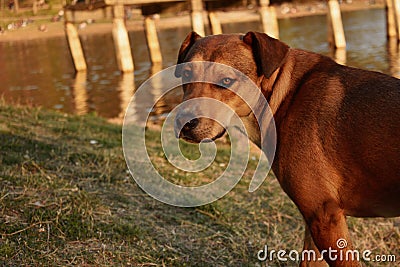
66, 199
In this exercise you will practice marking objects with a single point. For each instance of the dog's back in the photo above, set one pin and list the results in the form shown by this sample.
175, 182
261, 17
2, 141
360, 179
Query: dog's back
348, 119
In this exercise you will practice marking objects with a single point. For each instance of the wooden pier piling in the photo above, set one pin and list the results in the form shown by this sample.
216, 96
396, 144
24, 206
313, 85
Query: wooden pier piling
35, 7
268, 19
396, 4
391, 30
215, 23
16, 7
75, 47
340, 55
197, 16
121, 40
152, 40
335, 25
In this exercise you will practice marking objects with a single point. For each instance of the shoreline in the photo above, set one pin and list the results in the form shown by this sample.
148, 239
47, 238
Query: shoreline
285, 10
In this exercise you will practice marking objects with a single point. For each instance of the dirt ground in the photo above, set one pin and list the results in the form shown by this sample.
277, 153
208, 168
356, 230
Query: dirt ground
43, 27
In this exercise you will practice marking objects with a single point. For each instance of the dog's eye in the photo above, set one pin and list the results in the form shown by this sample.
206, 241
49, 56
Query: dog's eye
226, 82
187, 74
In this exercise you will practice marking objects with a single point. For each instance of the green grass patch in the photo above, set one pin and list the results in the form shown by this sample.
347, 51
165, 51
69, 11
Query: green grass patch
66, 199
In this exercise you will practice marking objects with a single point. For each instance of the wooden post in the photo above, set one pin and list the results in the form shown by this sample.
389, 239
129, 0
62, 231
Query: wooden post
396, 4
121, 40
274, 22
268, 19
197, 16
16, 6
340, 56
215, 23
152, 39
335, 25
75, 47
34, 7
390, 20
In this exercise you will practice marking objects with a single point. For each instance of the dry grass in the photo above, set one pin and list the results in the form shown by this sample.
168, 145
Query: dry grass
65, 200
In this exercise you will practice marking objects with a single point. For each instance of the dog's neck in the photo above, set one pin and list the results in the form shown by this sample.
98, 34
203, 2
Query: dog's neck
252, 129
277, 87
278, 90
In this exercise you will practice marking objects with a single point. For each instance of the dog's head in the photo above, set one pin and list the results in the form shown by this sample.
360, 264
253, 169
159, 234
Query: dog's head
255, 55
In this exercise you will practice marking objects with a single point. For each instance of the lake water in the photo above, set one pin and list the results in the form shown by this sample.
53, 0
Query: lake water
41, 72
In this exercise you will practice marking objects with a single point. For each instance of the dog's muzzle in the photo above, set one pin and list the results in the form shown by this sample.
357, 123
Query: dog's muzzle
184, 126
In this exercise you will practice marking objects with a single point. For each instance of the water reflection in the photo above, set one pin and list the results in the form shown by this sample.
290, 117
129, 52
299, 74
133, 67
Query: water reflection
394, 57
125, 89
41, 72
163, 101
157, 90
80, 93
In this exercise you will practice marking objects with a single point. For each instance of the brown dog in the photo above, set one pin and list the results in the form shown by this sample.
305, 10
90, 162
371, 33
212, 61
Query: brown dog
338, 150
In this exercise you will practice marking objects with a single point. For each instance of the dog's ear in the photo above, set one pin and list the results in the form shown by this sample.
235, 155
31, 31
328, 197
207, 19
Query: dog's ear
269, 53
183, 51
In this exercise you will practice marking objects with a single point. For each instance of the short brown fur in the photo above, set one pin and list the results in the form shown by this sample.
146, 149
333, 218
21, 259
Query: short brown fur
338, 150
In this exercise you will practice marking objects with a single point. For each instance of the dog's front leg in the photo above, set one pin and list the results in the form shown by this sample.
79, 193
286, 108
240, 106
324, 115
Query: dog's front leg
310, 252
329, 231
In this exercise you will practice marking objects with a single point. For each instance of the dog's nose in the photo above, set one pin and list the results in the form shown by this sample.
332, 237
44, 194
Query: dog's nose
190, 125
183, 126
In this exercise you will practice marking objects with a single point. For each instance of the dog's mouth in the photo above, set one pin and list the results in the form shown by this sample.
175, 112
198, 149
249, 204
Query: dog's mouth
193, 139
215, 137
